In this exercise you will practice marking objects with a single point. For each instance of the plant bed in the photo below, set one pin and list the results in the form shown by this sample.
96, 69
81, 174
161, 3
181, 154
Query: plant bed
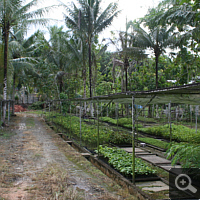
123, 122
154, 142
122, 161
180, 133
138, 178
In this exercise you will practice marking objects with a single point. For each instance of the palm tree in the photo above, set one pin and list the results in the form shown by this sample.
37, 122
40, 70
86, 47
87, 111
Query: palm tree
91, 21
22, 59
158, 38
13, 13
58, 52
127, 51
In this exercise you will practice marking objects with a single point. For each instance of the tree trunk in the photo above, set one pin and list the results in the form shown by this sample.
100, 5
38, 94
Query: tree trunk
126, 65
13, 95
122, 79
84, 91
156, 71
126, 80
90, 69
5, 38
61, 86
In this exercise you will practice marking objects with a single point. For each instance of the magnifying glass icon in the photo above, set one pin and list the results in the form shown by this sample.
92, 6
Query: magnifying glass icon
185, 181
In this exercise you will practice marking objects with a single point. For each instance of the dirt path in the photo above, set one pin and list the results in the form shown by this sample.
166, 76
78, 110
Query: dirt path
37, 164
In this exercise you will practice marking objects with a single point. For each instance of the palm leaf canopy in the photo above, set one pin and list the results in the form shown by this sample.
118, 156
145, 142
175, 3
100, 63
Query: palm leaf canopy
156, 39
17, 13
88, 16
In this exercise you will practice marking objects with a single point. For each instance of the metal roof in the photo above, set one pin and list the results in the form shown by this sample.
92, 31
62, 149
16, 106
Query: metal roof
185, 94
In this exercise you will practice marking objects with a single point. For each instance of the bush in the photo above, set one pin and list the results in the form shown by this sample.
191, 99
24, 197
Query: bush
37, 105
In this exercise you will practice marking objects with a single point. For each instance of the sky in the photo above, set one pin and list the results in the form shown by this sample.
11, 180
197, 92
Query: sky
130, 9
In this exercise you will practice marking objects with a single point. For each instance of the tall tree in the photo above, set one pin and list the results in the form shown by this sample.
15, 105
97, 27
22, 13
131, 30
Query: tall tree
186, 16
127, 51
158, 38
89, 18
14, 13
22, 58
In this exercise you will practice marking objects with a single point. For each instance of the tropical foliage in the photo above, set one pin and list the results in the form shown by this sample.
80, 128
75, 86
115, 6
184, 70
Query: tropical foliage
180, 133
182, 153
122, 161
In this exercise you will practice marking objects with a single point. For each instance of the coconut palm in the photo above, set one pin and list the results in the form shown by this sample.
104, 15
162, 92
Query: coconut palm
157, 39
22, 57
58, 52
127, 53
14, 13
88, 19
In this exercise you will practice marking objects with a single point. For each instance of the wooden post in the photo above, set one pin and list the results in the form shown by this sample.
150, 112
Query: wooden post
70, 121
133, 139
197, 111
117, 117
170, 124
80, 123
98, 129
191, 115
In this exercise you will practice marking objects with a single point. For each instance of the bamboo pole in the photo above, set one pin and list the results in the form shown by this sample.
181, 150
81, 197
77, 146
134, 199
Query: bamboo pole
170, 123
80, 125
197, 110
98, 129
70, 121
133, 139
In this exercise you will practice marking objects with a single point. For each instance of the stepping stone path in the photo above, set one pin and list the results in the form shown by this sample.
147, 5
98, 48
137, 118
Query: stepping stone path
152, 158
154, 186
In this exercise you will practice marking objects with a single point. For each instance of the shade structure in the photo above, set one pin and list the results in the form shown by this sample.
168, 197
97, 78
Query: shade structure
185, 94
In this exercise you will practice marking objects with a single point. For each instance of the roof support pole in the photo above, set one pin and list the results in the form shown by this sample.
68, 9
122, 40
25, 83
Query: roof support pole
70, 112
197, 110
106, 106
116, 113
170, 123
191, 115
143, 109
98, 129
80, 124
133, 139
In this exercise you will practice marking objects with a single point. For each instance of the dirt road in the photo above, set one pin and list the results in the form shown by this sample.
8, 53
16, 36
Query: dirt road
37, 164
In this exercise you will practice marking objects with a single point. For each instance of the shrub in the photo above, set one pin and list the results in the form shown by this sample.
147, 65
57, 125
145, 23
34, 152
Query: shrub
37, 105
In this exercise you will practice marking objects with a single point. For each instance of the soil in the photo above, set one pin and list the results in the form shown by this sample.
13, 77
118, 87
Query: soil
35, 163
